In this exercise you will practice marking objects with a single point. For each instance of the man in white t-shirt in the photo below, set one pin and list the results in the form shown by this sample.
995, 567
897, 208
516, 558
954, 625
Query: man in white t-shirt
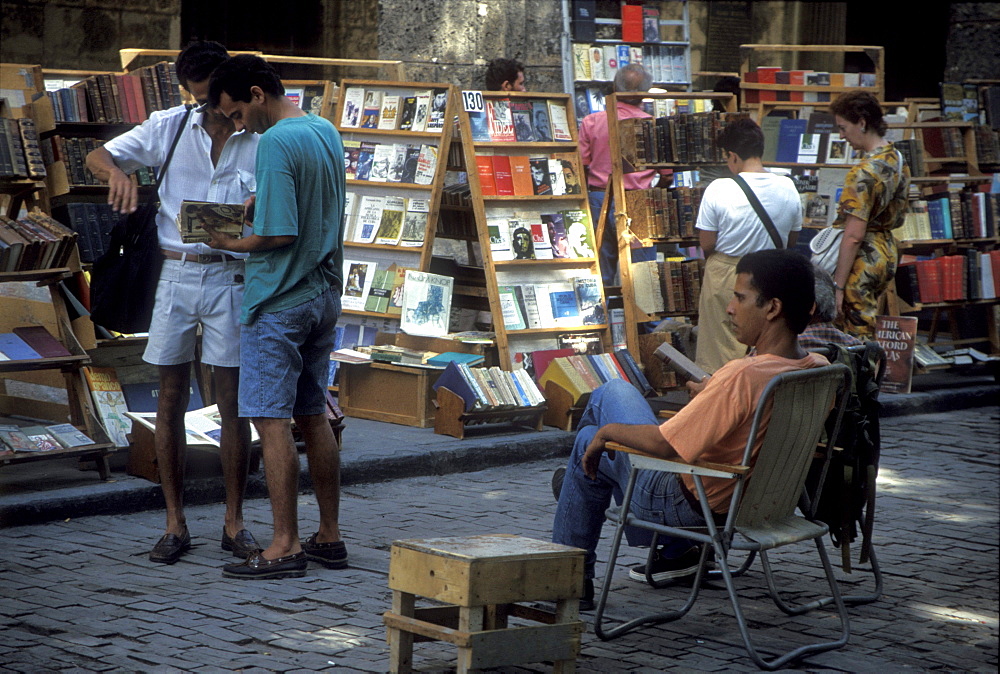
729, 228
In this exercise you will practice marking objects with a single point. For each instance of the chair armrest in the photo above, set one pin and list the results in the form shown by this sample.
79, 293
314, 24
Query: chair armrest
705, 468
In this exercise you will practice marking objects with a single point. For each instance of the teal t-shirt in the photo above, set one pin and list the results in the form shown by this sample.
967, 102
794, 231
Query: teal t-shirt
300, 192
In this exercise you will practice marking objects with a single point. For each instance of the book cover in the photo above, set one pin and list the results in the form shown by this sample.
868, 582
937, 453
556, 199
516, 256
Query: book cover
369, 218
397, 164
522, 113
579, 233
359, 276
520, 173
381, 162
521, 242
15, 439
897, 336
410, 162
195, 215
389, 113
365, 156
562, 298
487, 181
502, 176
422, 111
540, 121
632, 28
679, 363
426, 304
39, 339
438, 107
350, 215
588, 297
371, 109
501, 123
479, 125
542, 358
539, 237
789, 134
378, 295
426, 165
556, 177
109, 403
15, 348
396, 296
142, 396
43, 440
352, 150
391, 223
69, 436
559, 121
650, 24
415, 223
408, 112
510, 310
455, 381
557, 234
541, 179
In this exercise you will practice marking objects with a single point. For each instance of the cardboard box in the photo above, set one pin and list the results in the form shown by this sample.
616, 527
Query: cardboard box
393, 393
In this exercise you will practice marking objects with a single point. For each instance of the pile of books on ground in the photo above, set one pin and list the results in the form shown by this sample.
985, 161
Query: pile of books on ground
34, 242
17, 439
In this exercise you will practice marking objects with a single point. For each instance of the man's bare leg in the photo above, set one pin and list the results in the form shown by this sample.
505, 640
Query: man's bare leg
170, 443
235, 445
281, 469
324, 468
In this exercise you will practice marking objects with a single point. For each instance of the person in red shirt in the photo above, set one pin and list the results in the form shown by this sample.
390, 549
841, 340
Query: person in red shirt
595, 153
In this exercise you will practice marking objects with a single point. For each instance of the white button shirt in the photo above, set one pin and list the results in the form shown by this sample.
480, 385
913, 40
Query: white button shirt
190, 175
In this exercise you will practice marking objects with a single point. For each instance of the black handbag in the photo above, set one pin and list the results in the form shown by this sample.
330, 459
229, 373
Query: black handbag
123, 281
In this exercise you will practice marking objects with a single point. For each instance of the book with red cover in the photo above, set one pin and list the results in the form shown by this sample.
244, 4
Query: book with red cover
767, 75
632, 23
797, 77
897, 335
953, 268
929, 280
584, 368
502, 176
751, 95
541, 359
520, 170
487, 183
995, 264
39, 339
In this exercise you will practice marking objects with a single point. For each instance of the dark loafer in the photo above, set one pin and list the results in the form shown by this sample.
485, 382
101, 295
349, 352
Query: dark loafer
331, 555
257, 568
242, 545
170, 548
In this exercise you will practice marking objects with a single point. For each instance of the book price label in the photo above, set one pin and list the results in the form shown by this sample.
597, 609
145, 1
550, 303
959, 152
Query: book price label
472, 101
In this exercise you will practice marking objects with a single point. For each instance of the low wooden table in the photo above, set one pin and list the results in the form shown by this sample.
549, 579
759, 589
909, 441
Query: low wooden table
384, 392
481, 578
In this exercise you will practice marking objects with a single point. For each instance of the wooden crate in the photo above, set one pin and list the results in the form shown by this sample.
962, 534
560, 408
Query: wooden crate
392, 393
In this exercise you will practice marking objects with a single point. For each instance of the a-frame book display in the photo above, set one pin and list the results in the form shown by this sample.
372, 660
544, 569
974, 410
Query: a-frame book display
652, 290
533, 222
396, 140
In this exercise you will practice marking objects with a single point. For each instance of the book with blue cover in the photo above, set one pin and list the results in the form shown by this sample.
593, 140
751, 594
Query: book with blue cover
14, 348
789, 137
443, 359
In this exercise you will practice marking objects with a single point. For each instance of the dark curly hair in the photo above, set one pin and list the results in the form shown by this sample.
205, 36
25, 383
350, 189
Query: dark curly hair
241, 72
743, 137
502, 70
857, 105
197, 61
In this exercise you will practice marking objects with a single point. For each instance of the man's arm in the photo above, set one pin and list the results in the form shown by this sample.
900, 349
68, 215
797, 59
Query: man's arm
793, 238
707, 241
247, 244
123, 195
646, 438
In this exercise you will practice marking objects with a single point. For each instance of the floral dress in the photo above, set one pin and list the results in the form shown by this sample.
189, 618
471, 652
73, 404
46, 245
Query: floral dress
875, 190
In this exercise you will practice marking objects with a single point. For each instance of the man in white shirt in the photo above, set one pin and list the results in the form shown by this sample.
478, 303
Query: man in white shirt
729, 228
198, 287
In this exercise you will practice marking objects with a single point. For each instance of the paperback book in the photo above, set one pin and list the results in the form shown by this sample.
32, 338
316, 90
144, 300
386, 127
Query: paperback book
195, 215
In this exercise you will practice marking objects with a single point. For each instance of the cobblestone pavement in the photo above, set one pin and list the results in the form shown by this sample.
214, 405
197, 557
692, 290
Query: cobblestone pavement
81, 595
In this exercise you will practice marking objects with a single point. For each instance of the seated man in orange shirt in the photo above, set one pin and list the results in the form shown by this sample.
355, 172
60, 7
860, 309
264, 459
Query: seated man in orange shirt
772, 302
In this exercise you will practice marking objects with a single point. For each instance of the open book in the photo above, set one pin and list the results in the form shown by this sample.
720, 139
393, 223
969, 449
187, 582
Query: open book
226, 218
203, 427
680, 363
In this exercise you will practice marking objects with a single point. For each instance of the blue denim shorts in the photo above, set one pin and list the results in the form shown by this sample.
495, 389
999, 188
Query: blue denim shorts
285, 359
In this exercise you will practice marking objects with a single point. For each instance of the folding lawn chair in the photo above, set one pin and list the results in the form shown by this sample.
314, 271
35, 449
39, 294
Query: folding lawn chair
761, 515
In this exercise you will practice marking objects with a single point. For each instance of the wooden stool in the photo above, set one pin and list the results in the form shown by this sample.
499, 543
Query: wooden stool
481, 577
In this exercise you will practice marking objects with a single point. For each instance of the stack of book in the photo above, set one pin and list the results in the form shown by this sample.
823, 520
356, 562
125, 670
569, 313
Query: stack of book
17, 439
600, 63
580, 374
115, 99
30, 343
490, 388
522, 234
20, 156
383, 110
974, 275
92, 222
777, 75
507, 120
661, 213
570, 303
686, 138
969, 213
673, 285
371, 161
527, 175
34, 242
386, 220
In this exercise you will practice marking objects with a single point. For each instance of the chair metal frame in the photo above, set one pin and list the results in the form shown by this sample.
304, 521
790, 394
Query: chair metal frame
761, 515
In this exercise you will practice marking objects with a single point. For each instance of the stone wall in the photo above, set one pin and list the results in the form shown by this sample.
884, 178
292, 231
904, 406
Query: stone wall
973, 47
85, 35
451, 41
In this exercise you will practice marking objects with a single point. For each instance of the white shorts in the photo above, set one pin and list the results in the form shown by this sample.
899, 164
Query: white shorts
190, 294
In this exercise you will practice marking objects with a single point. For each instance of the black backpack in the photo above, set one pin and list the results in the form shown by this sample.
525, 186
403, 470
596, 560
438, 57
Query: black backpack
844, 497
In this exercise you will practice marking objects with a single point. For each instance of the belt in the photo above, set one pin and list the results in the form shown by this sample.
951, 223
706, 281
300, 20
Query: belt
197, 257
720, 518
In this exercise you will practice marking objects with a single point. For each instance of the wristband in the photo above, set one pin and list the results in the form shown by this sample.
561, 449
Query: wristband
838, 287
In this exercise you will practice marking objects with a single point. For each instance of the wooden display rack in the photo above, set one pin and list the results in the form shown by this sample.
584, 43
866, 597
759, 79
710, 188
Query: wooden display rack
392, 393
634, 315
417, 257
510, 272
750, 51
452, 419
562, 411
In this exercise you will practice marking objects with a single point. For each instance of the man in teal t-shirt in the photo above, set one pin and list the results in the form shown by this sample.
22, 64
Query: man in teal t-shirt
291, 304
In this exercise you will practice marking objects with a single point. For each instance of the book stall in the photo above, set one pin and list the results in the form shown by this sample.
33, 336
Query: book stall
472, 290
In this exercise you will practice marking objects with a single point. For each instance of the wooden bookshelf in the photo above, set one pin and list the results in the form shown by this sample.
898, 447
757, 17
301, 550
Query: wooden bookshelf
507, 273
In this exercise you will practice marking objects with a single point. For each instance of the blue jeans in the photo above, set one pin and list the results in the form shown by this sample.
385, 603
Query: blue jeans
657, 496
608, 254
285, 358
